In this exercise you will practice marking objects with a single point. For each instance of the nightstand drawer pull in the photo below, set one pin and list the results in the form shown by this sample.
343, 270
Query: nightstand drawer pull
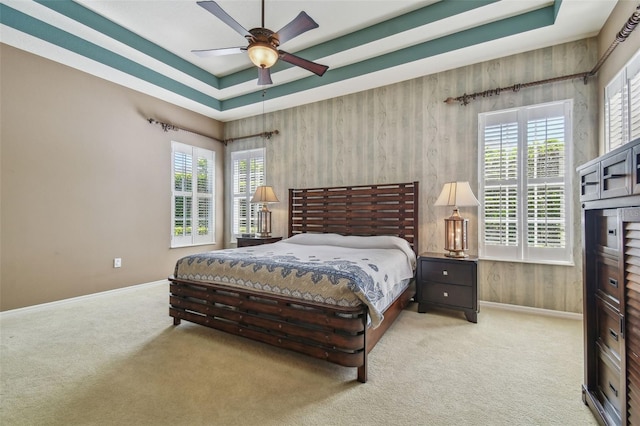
445, 272
445, 294
613, 389
613, 282
613, 334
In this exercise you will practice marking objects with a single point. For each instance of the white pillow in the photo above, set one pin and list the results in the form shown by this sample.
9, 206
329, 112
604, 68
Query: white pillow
355, 241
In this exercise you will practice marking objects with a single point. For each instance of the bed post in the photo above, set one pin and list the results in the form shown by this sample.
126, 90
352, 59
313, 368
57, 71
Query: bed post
362, 370
416, 217
290, 212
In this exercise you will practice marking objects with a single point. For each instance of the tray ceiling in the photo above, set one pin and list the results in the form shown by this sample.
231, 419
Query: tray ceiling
146, 45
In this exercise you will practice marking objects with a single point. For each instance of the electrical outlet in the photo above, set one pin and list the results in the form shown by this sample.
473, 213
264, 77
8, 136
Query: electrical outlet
117, 262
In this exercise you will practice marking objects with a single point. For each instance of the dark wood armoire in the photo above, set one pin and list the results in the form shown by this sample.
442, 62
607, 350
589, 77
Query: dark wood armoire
610, 199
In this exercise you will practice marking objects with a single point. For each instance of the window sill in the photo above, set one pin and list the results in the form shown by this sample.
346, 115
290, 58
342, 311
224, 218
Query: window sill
192, 245
535, 262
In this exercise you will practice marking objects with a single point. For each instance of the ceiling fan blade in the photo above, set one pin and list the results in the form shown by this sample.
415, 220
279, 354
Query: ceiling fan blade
206, 53
213, 7
300, 24
303, 63
264, 76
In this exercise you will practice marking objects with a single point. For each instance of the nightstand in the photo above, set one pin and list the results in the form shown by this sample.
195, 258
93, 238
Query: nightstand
449, 283
256, 241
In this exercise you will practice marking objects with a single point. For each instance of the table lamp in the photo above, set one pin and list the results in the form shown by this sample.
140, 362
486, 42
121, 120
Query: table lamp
264, 195
456, 194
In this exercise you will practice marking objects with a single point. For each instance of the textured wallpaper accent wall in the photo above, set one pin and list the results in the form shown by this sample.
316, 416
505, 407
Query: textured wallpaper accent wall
405, 132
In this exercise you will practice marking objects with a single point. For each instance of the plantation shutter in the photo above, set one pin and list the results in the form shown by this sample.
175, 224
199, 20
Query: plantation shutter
546, 212
248, 174
614, 125
525, 183
500, 201
192, 195
204, 196
633, 82
622, 106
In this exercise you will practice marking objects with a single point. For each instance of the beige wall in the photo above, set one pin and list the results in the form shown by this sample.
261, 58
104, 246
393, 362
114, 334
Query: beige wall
405, 132
85, 179
620, 55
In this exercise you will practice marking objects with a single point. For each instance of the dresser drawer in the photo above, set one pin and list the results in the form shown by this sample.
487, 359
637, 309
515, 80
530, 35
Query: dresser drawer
610, 333
448, 294
608, 280
590, 183
609, 384
615, 175
460, 272
607, 232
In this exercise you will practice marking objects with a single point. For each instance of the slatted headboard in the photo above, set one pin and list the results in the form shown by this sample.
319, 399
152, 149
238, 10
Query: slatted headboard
385, 209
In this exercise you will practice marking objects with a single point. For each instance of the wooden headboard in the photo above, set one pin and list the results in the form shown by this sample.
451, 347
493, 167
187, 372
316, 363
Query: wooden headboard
385, 209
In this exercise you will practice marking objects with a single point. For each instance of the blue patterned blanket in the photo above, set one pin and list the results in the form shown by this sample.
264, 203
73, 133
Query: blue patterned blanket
320, 268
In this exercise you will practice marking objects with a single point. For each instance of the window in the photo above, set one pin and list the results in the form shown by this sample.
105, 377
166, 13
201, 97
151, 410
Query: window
525, 183
248, 174
192, 187
622, 106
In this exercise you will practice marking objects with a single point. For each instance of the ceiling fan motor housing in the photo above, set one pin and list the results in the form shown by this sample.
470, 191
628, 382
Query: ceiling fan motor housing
263, 47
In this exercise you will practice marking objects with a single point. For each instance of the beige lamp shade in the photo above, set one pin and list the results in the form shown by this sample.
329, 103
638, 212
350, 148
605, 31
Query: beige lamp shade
456, 194
264, 195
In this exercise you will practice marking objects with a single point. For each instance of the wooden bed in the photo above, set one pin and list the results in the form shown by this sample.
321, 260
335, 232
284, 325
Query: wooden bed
337, 334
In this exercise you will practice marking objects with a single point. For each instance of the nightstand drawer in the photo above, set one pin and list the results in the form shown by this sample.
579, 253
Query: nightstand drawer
448, 294
448, 273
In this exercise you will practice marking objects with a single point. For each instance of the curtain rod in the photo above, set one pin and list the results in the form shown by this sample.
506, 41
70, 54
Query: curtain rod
622, 35
166, 127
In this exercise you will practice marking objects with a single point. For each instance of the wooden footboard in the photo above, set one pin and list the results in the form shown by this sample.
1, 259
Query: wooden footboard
337, 334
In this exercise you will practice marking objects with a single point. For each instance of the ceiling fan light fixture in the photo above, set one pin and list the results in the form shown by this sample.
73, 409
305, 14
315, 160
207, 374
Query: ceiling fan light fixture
263, 55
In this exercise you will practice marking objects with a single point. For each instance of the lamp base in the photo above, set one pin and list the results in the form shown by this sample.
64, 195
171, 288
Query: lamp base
457, 254
264, 222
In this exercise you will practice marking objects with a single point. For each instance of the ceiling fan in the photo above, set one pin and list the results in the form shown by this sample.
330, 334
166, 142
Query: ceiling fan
263, 43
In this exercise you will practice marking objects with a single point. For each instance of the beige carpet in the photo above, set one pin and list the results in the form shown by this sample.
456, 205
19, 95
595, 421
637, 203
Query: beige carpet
116, 359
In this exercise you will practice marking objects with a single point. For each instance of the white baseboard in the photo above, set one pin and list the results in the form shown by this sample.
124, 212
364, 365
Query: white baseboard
532, 310
75, 299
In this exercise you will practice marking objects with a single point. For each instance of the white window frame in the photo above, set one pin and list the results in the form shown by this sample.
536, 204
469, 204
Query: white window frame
520, 250
622, 106
190, 238
246, 194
